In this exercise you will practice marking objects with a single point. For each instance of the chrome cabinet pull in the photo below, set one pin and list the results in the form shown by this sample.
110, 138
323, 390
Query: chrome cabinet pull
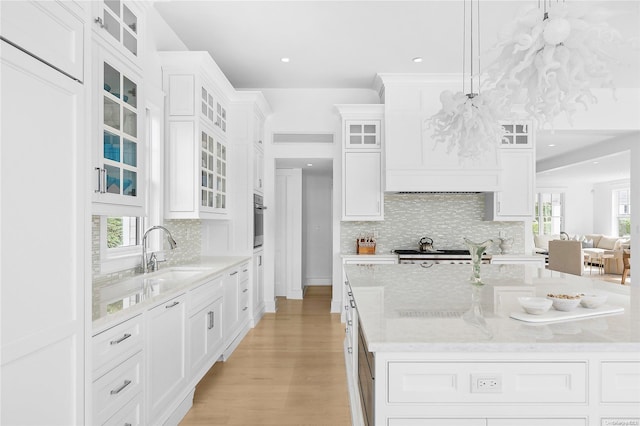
102, 180
172, 305
244, 270
211, 320
233, 273
245, 290
350, 350
352, 303
245, 308
99, 21
121, 388
120, 340
128, 424
350, 322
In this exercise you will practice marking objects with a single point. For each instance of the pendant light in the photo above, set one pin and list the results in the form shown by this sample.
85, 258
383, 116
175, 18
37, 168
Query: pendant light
550, 56
468, 122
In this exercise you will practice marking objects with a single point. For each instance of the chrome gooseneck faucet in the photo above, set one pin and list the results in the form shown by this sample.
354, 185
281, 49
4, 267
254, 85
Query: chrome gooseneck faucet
148, 264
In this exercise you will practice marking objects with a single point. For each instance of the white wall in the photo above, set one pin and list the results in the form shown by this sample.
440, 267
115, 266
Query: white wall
316, 227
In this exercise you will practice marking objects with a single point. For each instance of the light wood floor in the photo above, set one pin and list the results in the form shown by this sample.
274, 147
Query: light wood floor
289, 370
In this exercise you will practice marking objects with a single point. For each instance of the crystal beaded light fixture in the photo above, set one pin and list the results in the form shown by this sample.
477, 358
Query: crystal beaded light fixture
554, 52
469, 121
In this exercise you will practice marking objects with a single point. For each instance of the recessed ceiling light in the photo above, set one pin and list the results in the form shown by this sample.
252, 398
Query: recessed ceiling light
285, 60
309, 164
417, 59
595, 162
552, 145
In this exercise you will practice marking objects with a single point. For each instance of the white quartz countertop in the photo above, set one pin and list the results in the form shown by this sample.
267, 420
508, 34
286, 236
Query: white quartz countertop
120, 300
405, 308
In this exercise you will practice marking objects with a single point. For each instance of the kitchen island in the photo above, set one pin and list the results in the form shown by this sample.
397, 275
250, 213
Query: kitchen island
434, 350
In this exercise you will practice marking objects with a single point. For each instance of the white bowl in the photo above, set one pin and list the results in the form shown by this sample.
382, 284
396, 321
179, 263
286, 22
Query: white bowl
593, 300
564, 302
535, 305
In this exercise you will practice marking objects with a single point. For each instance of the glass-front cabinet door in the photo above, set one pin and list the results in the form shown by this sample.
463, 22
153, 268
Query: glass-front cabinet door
119, 176
213, 173
118, 22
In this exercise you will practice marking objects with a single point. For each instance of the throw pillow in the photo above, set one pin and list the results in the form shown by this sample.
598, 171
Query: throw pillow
587, 244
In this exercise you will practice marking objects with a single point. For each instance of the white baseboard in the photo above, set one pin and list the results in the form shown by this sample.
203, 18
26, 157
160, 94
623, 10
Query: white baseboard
336, 307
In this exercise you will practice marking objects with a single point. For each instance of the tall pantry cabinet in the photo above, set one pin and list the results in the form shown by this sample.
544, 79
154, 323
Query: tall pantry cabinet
44, 212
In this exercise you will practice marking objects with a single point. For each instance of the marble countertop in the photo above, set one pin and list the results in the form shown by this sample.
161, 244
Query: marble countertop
121, 300
410, 308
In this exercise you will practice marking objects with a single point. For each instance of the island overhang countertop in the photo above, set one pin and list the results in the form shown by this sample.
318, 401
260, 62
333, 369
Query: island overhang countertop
409, 308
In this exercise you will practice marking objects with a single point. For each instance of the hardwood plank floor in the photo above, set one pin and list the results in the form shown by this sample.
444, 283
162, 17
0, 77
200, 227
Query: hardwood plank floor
288, 370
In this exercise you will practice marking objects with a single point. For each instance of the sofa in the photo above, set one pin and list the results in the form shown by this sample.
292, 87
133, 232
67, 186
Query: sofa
592, 245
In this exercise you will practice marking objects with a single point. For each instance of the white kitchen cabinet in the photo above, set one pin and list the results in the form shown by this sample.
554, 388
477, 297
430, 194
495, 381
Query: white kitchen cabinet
362, 162
120, 25
362, 134
514, 200
49, 30
119, 174
231, 301
165, 354
363, 186
257, 291
414, 161
237, 307
205, 327
116, 389
44, 303
197, 148
258, 170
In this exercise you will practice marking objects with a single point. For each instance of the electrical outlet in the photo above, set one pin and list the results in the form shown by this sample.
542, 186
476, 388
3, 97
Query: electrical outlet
486, 383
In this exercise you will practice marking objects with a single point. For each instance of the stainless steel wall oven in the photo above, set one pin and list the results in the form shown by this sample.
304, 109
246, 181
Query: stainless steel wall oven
258, 220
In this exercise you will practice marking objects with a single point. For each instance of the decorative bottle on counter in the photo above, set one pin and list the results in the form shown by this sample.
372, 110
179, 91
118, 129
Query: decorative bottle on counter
477, 250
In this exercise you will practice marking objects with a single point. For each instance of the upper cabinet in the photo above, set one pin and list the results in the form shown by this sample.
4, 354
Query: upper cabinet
514, 200
120, 25
362, 162
119, 152
197, 154
414, 161
52, 31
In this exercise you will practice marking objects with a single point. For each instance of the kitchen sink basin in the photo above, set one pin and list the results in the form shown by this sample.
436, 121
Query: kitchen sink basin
176, 274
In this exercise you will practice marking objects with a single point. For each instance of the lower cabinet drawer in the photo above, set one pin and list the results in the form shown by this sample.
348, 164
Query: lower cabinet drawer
243, 304
620, 381
116, 344
115, 389
129, 415
487, 382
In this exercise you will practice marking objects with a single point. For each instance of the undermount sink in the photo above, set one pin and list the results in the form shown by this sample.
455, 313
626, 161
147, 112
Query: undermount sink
175, 274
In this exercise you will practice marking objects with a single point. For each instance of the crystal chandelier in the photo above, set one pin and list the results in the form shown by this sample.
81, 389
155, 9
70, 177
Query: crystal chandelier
468, 122
554, 53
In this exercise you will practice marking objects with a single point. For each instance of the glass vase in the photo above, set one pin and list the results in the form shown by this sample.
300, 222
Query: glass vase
476, 250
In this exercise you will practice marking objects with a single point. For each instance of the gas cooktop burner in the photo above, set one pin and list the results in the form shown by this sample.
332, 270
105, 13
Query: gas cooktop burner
443, 251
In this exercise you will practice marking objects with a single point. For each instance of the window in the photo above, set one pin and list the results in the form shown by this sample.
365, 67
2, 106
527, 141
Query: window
123, 232
623, 212
549, 213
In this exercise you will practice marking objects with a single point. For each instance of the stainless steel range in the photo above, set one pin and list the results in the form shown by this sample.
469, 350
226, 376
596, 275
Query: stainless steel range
437, 256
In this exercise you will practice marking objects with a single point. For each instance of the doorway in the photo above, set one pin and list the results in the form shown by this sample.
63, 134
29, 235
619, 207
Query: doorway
304, 225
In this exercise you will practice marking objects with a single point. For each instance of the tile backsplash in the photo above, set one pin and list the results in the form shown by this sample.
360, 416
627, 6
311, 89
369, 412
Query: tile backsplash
446, 218
185, 232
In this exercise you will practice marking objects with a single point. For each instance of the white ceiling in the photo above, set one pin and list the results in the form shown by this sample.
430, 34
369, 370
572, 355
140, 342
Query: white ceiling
344, 44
